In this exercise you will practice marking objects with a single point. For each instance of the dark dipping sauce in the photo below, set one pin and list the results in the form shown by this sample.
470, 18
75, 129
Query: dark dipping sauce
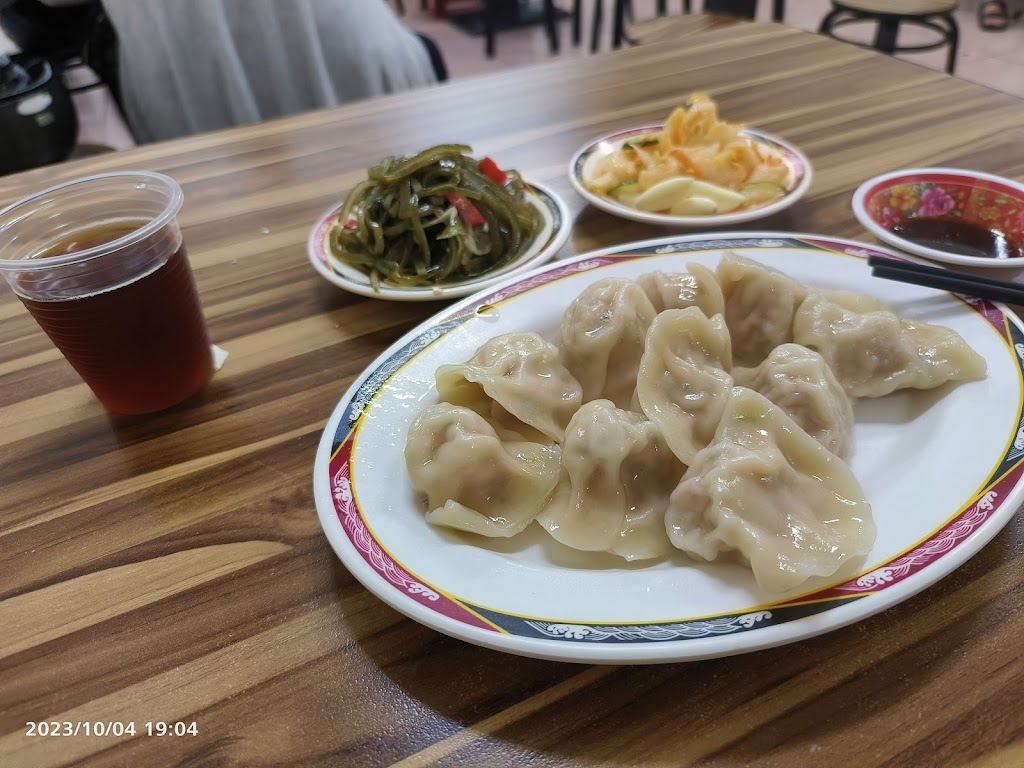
958, 237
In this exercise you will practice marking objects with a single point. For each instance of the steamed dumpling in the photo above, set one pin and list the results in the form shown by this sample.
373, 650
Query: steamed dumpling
799, 381
617, 475
518, 383
697, 287
767, 490
471, 480
877, 352
683, 382
856, 302
760, 303
601, 339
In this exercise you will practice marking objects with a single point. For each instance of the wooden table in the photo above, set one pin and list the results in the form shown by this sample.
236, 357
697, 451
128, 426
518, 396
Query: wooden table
173, 569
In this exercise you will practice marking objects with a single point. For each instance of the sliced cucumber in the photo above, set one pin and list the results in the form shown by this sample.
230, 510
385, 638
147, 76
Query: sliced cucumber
644, 141
663, 195
622, 186
628, 197
763, 191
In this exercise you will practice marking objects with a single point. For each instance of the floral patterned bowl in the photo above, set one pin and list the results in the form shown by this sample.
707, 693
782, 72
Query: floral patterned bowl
981, 200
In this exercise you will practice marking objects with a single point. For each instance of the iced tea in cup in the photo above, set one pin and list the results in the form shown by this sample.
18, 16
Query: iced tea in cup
100, 264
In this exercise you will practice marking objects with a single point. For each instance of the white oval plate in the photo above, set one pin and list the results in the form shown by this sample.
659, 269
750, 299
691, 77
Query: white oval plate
798, 181
554, 233
942, 470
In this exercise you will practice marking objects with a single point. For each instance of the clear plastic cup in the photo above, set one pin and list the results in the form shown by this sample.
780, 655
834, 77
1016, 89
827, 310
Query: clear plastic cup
101, 265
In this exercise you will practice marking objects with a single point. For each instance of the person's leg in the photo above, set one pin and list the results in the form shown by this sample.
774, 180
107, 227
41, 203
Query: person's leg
436, 59
993, 15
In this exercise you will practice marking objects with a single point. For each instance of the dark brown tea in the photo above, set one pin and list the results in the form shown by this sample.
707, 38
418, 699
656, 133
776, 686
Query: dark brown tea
958, 237
84, 239
141, 346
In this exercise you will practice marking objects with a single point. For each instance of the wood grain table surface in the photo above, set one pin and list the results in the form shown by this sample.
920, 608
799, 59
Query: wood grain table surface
172, 568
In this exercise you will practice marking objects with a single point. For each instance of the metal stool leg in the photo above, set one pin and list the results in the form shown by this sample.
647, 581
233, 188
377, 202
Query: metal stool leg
662, 7
490, 24
885, 36
826, 24
595, 29
954, 43
550, 25
577, 21
686, 6
778, 10
619, 23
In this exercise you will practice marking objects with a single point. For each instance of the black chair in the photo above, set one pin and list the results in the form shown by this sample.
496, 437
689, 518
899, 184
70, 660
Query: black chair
620, 10
889, 15
662, 7
66, 36
493, 12
739, 7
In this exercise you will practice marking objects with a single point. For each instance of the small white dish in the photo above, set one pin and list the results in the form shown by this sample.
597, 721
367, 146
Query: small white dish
531, 596
552, 236
798, 182
982, 200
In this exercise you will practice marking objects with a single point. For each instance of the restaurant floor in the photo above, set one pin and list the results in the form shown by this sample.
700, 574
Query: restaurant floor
992, 59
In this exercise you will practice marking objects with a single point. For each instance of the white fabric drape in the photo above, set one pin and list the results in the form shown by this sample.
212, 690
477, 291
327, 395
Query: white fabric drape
198, 65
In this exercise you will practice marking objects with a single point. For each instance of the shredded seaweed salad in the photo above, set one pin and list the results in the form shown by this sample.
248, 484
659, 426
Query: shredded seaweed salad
438, 217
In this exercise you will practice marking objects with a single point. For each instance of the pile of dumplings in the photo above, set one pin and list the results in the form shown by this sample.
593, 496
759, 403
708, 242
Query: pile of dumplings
704, 411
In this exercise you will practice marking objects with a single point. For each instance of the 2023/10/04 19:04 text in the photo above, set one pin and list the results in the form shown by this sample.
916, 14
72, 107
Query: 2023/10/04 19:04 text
112, 728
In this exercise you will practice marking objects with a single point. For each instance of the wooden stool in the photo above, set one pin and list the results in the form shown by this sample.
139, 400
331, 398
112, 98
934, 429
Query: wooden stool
620, 8
936, 15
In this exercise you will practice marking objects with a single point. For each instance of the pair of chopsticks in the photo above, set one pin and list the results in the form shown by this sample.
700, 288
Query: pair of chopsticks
947, 280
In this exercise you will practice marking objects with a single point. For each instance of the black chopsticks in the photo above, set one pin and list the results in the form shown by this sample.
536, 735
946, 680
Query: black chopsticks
947, 280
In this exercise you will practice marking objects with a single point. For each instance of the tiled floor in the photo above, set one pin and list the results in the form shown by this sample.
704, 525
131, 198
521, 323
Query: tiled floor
992, 59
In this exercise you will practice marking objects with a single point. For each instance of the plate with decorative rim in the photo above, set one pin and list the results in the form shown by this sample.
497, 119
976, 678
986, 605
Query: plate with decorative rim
973, 211
529, 595
557, 224
797, 182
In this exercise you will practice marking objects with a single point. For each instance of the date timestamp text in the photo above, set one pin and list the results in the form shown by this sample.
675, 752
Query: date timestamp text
111, 728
